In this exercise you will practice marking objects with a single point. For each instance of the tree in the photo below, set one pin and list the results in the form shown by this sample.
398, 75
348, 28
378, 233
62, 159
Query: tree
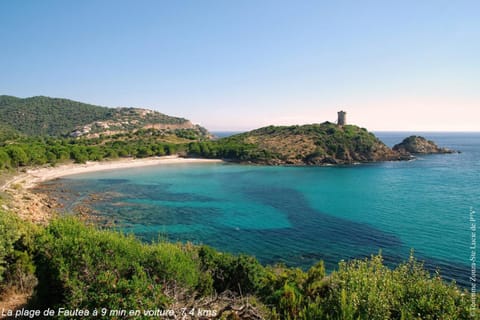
17, 156
5, 162
170, 149
79, 154
111, 153
194, 149
51, 157
61, 152
159, 150
94, 154
37, 154
143, 152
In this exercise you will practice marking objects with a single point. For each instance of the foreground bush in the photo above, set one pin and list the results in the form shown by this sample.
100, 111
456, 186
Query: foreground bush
82, 267
240, 274
87, 268
365, 289
16, 249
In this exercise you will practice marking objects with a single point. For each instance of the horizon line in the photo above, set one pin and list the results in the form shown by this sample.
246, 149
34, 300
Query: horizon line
392, 131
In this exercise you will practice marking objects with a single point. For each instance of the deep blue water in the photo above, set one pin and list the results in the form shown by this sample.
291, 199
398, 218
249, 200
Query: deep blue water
298, 215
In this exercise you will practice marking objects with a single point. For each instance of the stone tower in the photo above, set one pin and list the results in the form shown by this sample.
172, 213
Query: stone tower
342, 118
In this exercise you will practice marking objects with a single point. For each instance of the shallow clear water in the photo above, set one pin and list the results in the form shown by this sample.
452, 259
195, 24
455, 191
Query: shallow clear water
298, 215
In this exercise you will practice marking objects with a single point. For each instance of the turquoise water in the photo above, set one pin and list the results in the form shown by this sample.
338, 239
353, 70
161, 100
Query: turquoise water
298, 215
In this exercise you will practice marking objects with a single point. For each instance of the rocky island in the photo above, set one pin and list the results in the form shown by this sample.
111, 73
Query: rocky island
419, 145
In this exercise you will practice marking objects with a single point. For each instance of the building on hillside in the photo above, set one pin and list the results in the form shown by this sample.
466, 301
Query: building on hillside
342, 118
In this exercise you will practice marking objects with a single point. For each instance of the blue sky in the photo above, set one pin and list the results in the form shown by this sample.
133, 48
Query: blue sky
235, 65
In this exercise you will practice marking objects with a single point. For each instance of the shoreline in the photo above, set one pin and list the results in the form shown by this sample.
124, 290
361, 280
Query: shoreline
39, 207
33, 177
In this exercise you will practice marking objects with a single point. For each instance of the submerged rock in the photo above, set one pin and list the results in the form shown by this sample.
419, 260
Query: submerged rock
419, 145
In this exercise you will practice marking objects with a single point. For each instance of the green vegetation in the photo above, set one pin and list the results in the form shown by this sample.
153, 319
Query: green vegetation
45, 116
48, 116
324, 143
33, 151
79, 266
84, 268
365, 289
315, 144
42, 130
17, 248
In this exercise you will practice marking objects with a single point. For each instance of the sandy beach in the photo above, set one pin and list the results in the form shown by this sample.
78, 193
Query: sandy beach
33, 177
37, 207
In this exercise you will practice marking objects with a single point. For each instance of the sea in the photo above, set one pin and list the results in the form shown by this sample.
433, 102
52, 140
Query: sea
300, 215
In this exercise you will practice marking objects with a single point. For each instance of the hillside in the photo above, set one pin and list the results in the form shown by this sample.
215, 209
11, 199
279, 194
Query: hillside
314, 144
44, 116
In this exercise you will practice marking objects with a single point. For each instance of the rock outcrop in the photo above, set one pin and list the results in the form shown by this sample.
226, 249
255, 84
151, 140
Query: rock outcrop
419, 145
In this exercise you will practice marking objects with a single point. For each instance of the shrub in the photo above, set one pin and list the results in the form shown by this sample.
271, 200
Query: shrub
17, 156
82, 267
367, 289
363, 289
9, 235
5, 162
16, 250
240, 274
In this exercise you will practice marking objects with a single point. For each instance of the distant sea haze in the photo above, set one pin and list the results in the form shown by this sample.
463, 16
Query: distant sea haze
224, 134
299, 215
